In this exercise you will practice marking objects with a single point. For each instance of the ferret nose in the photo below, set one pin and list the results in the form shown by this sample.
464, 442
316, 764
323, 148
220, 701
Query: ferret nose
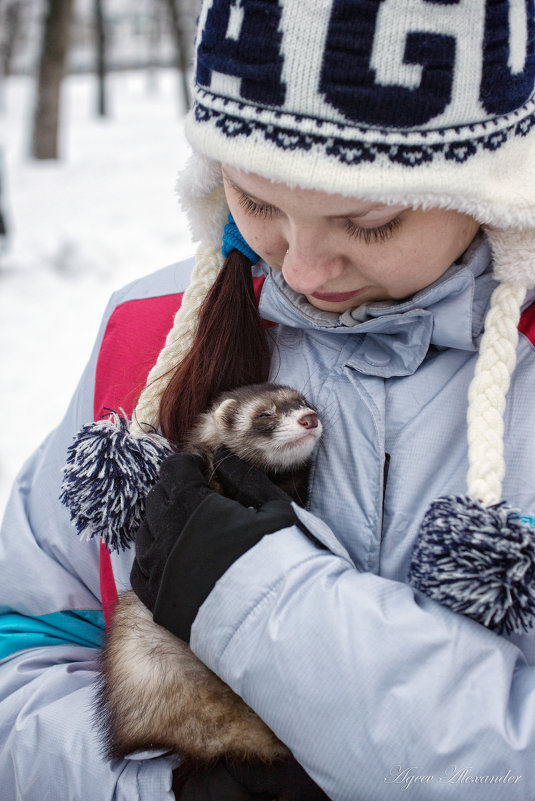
308, 420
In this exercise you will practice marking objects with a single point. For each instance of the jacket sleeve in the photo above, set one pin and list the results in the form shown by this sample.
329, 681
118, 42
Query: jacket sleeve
375, 688
50, 631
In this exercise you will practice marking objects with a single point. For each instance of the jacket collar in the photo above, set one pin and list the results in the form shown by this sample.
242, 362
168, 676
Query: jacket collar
393, 337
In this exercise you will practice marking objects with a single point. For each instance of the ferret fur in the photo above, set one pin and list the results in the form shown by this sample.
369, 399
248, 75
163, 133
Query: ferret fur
153, 691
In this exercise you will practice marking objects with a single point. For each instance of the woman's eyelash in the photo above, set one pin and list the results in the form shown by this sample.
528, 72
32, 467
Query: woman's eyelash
255, 209
368, 235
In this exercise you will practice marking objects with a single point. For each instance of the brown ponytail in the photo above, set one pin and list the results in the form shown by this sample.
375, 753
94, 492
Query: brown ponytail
229, 349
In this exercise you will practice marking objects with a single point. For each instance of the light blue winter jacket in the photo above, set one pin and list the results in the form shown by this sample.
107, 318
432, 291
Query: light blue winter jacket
379, 692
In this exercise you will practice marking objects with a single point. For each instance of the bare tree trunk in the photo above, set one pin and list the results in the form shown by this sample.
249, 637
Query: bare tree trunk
11, 19
181, 50
100, 29
51, 71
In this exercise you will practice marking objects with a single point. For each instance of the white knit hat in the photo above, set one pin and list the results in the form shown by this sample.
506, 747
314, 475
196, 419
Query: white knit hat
426, 102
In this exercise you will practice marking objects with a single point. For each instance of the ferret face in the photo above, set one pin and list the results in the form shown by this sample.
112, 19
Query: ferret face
270, 426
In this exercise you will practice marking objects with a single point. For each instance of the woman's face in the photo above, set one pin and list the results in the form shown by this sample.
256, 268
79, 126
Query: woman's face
340, 251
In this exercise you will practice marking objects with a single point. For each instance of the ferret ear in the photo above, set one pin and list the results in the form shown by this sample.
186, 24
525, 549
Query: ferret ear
225, 414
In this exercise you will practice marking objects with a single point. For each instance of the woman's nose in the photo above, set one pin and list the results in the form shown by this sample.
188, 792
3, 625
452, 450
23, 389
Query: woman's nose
309, 264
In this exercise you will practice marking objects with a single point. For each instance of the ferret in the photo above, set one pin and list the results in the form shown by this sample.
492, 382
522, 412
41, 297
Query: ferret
153, 691
270, 426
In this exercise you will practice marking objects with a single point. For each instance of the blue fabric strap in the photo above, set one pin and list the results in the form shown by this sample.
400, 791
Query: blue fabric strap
81, 627
233, 240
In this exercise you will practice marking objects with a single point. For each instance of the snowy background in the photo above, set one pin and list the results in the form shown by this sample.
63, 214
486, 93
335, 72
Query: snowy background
101, 216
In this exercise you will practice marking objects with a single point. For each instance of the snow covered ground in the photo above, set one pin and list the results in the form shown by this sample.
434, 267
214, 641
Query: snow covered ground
99, 217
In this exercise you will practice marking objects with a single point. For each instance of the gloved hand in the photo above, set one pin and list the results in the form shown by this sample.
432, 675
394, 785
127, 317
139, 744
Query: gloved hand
190, 536
284, 779
166, 513
226, 780
246, 484
251, 487
211, 782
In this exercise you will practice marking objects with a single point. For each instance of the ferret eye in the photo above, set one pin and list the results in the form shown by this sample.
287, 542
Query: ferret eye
267, 413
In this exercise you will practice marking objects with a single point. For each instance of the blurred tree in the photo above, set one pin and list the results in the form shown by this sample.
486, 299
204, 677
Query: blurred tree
3, 223
55, 41
157, 27
181, 24
100, 31
11, 14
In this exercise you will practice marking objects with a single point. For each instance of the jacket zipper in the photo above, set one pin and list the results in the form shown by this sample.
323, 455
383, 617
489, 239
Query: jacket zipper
386, 467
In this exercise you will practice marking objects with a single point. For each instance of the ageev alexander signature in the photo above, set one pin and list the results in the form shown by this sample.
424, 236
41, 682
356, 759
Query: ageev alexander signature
407, 777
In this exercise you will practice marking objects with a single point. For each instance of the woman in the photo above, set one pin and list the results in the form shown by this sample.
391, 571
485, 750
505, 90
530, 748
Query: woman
360, 148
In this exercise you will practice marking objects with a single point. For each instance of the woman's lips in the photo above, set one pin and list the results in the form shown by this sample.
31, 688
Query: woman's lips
337, 297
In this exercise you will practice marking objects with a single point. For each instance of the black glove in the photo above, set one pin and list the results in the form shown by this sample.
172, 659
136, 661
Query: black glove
169, 505
244, 483
250, 486
212, 782
190, 536
245, 781
282, 779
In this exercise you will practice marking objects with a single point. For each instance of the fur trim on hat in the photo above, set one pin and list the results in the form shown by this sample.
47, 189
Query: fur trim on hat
200, 190
513, 252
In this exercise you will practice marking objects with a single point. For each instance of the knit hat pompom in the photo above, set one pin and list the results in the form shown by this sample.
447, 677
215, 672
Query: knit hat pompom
107, 477
478, 561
